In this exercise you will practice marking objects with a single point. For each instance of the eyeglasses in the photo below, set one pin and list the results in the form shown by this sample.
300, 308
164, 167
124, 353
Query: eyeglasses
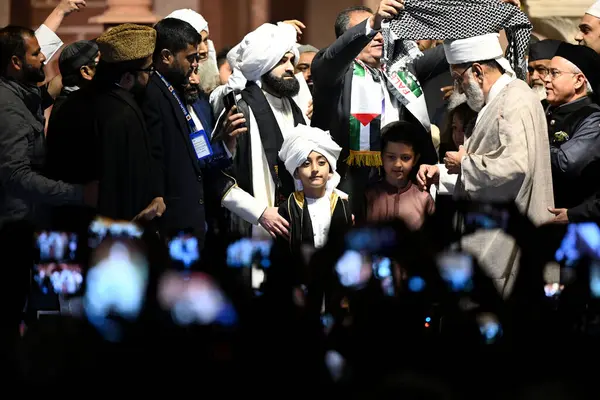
555, 73
149, 70
542, 71
458, 79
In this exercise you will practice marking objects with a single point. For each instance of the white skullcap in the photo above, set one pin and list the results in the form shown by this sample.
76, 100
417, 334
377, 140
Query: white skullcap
262, 49
301, 141
191, 17
594, 10
233, 54
478, 48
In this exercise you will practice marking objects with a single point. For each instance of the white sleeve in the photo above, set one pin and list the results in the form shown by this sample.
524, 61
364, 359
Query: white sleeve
48, 40
236, 82
243, 205
447, 181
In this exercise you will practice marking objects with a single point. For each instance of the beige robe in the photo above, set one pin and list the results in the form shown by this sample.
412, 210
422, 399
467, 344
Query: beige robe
508, 159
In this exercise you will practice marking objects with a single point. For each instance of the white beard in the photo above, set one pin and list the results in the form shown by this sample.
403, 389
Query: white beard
209, 75
456, 99
475, 96
540, 91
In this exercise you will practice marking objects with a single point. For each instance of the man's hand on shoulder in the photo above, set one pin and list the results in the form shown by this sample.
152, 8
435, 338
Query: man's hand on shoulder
387, 9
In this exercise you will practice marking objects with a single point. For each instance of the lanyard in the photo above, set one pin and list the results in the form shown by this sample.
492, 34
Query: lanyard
187, 115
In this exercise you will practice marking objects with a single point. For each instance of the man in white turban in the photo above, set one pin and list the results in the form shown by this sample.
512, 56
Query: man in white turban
237, 80
589, 28
505, 158
267, 55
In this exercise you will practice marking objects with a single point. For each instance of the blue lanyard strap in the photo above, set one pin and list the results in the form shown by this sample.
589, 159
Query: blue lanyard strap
187, 115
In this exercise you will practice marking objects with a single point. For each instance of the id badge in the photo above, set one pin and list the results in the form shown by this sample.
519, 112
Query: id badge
201, 144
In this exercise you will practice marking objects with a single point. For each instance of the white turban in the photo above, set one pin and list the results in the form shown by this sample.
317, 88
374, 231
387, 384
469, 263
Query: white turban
262, 49
478, 48
191, 17
594, 10
301, 141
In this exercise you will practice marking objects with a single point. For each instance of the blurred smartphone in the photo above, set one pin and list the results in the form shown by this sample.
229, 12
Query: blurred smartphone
252, 258
457, 270
486, 217
115, 286
58, 267
184, 251
195, 299
384, 273
101, 228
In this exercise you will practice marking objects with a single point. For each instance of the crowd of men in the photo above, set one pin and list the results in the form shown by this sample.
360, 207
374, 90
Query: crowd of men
152, 124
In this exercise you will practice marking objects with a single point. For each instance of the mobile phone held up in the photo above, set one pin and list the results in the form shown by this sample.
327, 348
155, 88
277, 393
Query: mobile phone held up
58, 268
230, 100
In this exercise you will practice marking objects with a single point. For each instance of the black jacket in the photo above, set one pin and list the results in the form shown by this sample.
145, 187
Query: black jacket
183, 176
332, 70
23, 189
576, 160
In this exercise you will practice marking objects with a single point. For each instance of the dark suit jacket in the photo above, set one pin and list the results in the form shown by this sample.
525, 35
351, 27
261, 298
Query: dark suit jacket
183, 176
332, 70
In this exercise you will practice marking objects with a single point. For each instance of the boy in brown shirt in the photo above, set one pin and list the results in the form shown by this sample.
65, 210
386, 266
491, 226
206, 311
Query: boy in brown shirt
395, 196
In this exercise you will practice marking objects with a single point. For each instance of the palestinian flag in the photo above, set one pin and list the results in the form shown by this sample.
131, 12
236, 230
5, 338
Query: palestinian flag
366, 107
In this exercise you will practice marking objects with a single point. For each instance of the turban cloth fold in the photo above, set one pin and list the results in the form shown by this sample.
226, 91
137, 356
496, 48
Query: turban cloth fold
262, 49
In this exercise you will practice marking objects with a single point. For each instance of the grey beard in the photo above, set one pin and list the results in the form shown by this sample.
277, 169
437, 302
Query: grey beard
209, 75
475, 96
456, 99
540, 91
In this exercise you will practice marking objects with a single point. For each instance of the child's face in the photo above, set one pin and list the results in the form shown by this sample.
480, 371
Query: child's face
315, 171
398, 160
458, 131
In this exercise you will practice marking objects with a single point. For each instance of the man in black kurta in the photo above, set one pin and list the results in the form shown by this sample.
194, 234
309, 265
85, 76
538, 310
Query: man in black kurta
100, 133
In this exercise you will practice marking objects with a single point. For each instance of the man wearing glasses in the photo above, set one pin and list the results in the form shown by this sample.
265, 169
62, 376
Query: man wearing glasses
572, 84
505, 158
100, 132
540, 55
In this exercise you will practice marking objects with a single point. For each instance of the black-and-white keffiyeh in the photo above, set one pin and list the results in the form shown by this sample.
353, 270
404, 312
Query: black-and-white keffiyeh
455, 19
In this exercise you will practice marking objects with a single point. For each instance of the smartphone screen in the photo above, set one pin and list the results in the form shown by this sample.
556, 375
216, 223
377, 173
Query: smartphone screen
252, 258
116, 285
102, 228
58, 268
383, 271
457, 270
184, 251
195, 298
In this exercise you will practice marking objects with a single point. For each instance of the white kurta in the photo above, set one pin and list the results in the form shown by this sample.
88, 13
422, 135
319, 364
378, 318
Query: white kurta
250, 208
507, 159
49, 42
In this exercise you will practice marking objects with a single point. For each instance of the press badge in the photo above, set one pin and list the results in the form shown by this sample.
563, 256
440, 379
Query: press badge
201, 144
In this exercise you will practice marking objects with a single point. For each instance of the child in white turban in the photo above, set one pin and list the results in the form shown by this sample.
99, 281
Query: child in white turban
310, 155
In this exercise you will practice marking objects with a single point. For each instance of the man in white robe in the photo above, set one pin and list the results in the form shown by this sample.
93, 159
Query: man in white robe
267, 55
505, 158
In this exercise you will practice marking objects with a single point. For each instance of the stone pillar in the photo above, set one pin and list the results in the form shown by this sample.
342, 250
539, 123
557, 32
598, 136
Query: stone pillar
4, 13
126, 11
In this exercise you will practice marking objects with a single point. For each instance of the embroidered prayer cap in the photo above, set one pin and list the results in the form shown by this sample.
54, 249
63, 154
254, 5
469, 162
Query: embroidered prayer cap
584, 58
543, 50
301, 141
191, 17
594, 10
127, 42
477, 48
75, 56
262, 49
